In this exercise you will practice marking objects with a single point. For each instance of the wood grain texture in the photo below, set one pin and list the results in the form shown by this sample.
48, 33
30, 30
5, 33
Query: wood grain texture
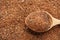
14, 12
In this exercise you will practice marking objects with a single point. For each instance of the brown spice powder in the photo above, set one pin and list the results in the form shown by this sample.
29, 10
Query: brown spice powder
38, 21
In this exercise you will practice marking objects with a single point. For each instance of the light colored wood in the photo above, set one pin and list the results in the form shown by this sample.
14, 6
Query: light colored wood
54, 20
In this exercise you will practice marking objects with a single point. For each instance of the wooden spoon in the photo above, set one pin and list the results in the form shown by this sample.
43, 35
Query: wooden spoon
41, 21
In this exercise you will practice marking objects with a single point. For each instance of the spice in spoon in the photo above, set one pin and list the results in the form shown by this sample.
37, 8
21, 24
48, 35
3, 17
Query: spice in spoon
38, 21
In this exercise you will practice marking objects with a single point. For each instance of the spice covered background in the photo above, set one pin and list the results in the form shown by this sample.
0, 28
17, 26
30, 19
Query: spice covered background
14, 12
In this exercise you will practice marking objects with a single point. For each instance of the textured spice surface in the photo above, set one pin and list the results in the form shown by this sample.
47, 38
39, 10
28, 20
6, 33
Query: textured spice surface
14, 12
38, 21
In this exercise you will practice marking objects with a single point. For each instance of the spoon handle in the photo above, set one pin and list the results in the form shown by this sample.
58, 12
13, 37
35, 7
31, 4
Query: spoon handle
55, 21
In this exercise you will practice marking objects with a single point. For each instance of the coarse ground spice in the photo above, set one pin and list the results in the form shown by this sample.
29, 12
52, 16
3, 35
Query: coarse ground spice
14, 12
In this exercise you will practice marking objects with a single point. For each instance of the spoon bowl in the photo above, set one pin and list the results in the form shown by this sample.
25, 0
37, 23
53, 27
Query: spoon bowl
41, 21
